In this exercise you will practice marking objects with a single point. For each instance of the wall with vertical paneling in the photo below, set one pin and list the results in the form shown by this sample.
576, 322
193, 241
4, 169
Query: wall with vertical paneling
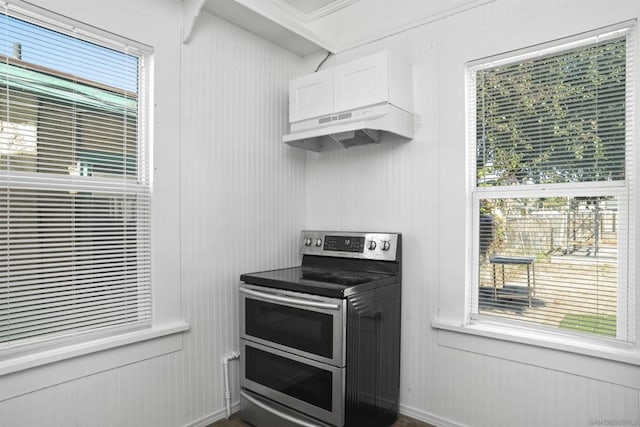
419, 188
242, 192
222, 100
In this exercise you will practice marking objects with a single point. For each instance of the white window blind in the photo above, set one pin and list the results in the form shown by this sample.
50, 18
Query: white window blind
552, 174
75, 195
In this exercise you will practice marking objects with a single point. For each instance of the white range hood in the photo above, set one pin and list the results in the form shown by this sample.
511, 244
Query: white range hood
372, 124
365, 101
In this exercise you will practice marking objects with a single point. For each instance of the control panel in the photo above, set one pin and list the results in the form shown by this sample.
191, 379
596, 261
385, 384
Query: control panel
378, 246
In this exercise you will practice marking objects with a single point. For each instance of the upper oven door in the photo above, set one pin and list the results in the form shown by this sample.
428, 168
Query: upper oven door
309, 325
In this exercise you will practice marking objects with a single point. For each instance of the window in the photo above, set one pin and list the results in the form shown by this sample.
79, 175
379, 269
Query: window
75, 202
551, 177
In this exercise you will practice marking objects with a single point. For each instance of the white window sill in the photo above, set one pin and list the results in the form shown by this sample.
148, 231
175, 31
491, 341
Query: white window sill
34, 371
617, 363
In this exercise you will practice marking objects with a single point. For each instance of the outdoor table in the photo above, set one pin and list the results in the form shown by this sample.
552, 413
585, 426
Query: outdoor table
515, 260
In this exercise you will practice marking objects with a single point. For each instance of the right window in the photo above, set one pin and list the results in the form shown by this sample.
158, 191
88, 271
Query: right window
551, 186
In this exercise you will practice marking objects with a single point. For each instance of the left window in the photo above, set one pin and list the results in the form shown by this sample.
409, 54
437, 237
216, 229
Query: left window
75, 250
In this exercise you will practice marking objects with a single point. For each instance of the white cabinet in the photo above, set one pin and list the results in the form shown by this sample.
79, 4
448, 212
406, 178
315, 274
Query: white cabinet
361, 83
374, 79
311, 95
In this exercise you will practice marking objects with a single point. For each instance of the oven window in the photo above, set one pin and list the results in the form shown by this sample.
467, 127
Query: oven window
298, 380
297, 328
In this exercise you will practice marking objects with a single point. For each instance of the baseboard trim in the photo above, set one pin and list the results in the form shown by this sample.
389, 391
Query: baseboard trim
213, 417
428, 417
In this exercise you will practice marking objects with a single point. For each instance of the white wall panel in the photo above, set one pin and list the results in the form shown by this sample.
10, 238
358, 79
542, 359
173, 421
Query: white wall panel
418, 188
242, 194
242, 203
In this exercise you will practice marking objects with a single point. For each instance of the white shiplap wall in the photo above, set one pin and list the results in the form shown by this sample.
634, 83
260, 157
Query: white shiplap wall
241, 191
418, 188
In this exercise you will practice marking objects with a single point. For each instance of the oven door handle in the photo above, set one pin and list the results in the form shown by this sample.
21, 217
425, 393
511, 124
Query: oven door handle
289, 300
277, 413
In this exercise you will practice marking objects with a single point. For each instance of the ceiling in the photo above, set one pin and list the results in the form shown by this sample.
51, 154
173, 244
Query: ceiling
310, 10
307, 26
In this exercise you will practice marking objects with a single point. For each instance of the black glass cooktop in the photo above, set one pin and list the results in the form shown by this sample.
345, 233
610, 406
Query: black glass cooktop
330, 282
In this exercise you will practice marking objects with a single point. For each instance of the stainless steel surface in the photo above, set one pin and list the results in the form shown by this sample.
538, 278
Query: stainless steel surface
291, 310
280, 414
290, 300
377, 246
334, 417
295, 299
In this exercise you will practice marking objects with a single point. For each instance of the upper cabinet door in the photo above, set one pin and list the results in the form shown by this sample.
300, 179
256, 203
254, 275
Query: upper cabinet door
311, 96
361, 83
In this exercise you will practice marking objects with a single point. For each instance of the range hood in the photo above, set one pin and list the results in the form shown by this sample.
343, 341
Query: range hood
365, 101
367, 125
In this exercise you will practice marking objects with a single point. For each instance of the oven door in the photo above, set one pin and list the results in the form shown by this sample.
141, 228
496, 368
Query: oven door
307, 386
308, 325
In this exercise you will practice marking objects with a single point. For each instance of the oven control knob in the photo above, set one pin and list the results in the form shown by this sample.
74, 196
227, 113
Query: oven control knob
318, 243
386, 245
371, 245
307, 242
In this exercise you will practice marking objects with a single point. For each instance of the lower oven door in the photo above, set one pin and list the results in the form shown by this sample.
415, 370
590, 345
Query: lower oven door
307, 386
308, 325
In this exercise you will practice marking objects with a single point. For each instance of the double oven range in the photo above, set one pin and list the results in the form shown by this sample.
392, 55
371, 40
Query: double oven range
320, 342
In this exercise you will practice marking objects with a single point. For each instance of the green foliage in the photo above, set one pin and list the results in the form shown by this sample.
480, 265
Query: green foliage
492, 232
553, 119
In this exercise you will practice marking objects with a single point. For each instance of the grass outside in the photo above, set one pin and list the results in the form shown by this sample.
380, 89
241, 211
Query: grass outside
590, 323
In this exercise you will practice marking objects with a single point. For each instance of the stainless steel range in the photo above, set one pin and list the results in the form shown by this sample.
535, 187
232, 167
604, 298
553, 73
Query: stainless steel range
320, 342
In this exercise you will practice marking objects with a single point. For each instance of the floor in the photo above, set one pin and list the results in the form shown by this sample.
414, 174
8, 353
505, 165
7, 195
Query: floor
235, 421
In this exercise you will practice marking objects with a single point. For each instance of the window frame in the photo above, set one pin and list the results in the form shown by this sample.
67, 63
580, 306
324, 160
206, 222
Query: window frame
31, 370
98, 187
623, 189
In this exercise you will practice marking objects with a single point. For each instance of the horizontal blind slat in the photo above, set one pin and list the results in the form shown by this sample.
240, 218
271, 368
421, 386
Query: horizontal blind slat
75, 197
559, 121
